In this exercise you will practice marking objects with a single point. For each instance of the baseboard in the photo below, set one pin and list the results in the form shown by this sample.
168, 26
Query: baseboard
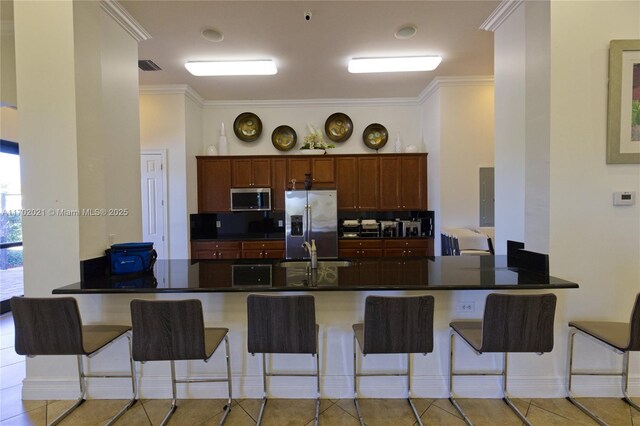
158, 387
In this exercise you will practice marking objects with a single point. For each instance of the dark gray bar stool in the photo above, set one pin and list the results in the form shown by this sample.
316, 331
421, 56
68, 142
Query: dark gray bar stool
283, 325
620, 337
393, 325
52, 326
174, 331
511, 323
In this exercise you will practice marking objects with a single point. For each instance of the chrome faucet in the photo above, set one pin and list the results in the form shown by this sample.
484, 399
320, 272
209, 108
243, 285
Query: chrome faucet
313, 253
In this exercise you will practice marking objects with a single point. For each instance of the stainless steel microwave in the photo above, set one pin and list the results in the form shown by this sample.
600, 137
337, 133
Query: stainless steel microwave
250, 199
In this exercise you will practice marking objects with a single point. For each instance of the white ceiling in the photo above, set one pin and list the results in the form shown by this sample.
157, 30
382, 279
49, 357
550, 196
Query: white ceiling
312, 55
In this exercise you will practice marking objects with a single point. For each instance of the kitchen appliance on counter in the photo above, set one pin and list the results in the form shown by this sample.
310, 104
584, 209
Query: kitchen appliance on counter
411, 228
311, 215
250, 199
389, 228
369, 228
350, 228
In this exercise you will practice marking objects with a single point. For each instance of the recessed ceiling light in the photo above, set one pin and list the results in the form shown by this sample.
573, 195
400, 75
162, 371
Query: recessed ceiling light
412, 63
219, 68
212, 34
406, 31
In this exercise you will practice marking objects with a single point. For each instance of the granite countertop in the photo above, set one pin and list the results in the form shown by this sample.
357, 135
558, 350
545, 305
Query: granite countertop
263, 275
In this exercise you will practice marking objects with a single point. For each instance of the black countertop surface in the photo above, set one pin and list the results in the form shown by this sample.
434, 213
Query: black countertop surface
262, 275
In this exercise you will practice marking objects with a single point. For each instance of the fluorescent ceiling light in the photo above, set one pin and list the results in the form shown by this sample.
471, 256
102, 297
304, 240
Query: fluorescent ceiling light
413, 63
260, 67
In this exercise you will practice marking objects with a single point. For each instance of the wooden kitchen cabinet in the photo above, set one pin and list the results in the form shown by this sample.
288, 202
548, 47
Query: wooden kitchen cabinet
251, 173
360, 248
214, 184
279, 183
357, 183
263, 249
216, 250
403, 182
321, 170
408, 247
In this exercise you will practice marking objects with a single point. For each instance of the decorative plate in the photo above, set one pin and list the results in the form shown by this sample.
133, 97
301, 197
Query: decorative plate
247, 127
284, 138
375, 136
338, 127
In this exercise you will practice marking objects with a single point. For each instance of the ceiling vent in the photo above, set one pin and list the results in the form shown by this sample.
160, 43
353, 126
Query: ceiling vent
148, 65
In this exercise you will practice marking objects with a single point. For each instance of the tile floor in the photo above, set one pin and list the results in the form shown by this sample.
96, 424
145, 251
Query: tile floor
281, 412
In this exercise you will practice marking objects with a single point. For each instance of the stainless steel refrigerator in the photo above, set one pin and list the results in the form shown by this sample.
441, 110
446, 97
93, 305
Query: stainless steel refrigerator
311, 215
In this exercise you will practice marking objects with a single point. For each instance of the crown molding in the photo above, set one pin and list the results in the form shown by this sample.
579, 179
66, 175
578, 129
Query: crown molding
438, 82
125, 20
173, 89
6, 27
500, 14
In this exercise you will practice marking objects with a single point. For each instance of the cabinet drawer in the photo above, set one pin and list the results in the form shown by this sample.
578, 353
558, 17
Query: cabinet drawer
263, 245
406, 243
215, 245
360, 244
354, 252
263, 254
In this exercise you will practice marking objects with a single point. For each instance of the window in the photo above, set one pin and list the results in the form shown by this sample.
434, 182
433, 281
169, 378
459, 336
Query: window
11, 277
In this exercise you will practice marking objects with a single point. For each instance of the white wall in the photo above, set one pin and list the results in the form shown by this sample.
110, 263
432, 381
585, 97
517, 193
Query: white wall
194, 129
591, 241
163, 126
61, 79
458, 131
9, 124
8, 95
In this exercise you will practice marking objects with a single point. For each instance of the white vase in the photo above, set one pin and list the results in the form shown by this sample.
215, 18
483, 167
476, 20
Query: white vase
223, 147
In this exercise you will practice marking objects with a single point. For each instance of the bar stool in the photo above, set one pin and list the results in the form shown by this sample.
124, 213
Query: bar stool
53, 326
393, 325
283, 325
174, 331
511, 323
620, 337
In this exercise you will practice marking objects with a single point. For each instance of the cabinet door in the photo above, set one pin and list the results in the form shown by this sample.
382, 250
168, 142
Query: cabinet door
322, 171
413, 182
346, 183
298, 167
368, 183
390, 183
214, 183
261, 173
241, 173
279, 180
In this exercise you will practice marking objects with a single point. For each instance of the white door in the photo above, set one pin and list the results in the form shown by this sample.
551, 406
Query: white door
154, 215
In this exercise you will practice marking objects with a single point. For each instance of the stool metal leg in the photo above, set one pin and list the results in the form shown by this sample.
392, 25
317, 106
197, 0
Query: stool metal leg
625, 382
452, 345
505, 393
227, 408
174, 401
317, 355
83, 393
134, 391
264, 390
355, 381
570, 396
413, 407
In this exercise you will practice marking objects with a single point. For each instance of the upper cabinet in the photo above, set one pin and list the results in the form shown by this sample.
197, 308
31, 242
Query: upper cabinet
214, 184
403, 182
363, 181
322, 171
251, 173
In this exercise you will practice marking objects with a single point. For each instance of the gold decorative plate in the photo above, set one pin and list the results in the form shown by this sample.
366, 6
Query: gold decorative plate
338, 127
284, 138
375, 136
247, 127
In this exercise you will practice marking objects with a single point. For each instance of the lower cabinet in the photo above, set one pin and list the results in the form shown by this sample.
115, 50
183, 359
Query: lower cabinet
263, 249
201, 250
360, 248
254, 249
408, 248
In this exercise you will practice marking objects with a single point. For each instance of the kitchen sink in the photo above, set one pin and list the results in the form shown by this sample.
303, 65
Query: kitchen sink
321, 263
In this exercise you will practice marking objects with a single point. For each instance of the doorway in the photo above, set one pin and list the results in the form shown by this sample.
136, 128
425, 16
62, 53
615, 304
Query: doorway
154, 195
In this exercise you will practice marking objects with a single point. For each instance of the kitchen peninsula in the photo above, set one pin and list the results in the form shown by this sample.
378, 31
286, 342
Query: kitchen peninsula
367, 274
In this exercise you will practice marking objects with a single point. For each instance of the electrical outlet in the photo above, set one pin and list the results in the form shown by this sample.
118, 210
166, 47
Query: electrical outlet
280, 224
112, 238
218, 224
465, 307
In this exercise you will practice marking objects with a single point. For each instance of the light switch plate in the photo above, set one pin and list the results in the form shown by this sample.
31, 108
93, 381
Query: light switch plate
627, 198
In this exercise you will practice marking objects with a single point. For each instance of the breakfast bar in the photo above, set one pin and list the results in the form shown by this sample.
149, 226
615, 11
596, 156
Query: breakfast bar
365, 274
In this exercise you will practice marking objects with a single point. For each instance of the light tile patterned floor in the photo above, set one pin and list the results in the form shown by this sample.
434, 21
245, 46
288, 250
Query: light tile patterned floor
297, 412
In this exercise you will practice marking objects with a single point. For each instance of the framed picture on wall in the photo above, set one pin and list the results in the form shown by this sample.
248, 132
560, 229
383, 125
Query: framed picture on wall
623, 123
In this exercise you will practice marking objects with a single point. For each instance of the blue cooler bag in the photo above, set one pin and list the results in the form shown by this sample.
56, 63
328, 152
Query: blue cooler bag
127, 258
